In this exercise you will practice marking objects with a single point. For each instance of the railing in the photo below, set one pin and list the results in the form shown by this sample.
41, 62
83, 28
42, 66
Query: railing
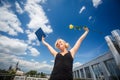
13, 77
28, 78
6, 77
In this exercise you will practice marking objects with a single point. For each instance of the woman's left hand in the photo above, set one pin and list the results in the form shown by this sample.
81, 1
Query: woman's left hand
86, 28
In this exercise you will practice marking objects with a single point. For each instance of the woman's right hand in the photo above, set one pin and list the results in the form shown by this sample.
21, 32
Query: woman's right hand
43, 39
51, 49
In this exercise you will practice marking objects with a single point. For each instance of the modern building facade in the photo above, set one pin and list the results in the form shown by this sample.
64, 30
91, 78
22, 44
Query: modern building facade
114, 45
104, 67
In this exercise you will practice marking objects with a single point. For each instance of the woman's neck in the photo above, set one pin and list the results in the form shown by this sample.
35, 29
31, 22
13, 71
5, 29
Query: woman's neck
64, 51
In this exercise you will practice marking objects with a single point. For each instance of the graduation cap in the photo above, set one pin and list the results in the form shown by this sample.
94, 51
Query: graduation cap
39, 33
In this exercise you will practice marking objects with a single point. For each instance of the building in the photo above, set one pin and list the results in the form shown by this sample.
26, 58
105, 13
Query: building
28, 78
104, 67
18, 70
20, 73
114, 45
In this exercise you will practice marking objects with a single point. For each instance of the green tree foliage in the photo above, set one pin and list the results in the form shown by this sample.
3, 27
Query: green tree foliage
12, 72
34, 73
43, 75
2, 71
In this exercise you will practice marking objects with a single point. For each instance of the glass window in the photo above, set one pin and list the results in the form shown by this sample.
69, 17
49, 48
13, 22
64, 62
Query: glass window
75, 73
78, 74
98, 71
113, 69
87, 71
117, 47
82, 73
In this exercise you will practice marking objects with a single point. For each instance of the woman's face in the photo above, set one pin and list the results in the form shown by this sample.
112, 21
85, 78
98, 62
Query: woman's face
60, 44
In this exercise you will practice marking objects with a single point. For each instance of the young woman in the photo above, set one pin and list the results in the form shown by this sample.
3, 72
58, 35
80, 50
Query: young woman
64, 59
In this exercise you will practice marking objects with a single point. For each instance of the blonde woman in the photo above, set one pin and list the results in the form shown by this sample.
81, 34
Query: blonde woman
62, 69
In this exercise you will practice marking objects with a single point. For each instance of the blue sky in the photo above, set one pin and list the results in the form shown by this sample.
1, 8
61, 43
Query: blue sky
19, 19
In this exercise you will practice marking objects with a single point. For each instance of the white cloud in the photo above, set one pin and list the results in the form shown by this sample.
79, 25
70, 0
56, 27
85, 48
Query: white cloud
52, 61
25, 65
32, 60
12, 46
44, 62
28, 65
82, 9
96, 3
90, 17
37, 16
18, 8
76, 64
31, 37
33, 51
9, 21
37, 19
6, 60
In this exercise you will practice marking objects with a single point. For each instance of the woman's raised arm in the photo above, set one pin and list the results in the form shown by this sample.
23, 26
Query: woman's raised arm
78, 42
50, 48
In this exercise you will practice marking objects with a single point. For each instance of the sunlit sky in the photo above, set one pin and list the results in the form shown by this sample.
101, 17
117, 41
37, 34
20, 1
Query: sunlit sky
19, 19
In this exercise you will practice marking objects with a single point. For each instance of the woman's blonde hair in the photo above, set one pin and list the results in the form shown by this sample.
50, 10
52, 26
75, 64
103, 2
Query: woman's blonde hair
66, 44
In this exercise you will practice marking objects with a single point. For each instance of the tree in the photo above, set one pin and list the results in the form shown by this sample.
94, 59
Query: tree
32, 72
43, 75
12, 72
3, 71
